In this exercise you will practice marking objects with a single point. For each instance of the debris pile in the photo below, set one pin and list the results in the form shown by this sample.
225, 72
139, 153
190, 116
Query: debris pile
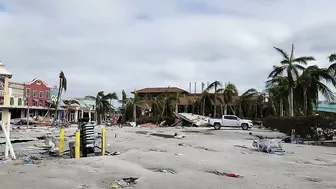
192, 119
124, 182
269, 145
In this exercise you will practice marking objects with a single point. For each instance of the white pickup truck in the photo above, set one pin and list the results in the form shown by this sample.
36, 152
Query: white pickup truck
231, 121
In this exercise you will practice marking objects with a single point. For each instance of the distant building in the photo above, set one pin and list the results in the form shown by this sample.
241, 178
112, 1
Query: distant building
4, 94
17, 101
37, 93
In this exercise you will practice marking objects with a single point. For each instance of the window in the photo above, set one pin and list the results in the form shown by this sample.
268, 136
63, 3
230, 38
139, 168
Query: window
41, 94
11, 101
34, 103
35, 93
20, 101
47, 94
230, 117
40, 104
28, 92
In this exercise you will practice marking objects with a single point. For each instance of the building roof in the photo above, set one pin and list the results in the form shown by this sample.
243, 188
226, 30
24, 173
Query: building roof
3, 71
160, 90
38, 79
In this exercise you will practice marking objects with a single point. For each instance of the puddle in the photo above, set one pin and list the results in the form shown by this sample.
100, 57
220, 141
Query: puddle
162, 135
163, 170
142, 132
199, 132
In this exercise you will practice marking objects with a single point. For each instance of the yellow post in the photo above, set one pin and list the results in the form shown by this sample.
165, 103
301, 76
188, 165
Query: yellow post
77, 145
103, 141
61, 142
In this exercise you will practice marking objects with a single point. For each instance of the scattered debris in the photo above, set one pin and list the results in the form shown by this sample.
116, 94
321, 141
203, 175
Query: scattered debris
124, 182
32, 160
184, 144
224, 174
269, 146
156, 150
148, 125
163, 170
204, 148
313, 179
241, 146
179, 154
193, 119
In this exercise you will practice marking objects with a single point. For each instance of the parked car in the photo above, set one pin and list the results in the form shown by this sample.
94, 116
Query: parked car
231, 121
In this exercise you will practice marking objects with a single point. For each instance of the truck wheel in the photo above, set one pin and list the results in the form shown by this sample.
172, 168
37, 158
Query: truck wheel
244, 126
217, 126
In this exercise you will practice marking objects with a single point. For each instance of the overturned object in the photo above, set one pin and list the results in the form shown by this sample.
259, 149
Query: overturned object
269, 146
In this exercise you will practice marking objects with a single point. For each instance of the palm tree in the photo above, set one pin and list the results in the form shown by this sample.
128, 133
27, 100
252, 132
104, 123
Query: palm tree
332, 60
103, 104
290, 66
176, 99
214, 85
244, 102
69, 103
229, 92
62, 87
310, 84
278, 89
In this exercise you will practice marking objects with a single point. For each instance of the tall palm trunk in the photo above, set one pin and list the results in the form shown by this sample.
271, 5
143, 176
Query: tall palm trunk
176, 108
291, 106
225, 109
134, 113
215, 101
203, 107
305, 102
281, 107
222, 110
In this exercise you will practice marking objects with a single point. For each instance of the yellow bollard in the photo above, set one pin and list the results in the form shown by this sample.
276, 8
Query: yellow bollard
77, 145
61, 142
103, 141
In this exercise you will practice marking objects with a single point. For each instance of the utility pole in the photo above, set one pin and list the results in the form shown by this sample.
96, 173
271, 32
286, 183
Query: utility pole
27, 101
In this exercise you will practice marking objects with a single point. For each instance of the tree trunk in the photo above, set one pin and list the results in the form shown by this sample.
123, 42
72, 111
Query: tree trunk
176, 108
281, 107
225, 109
215, 105
222, 110
305, 102
203, 107
134, 113
291, 106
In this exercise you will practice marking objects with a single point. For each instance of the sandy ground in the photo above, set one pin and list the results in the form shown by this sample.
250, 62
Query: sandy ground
190, 158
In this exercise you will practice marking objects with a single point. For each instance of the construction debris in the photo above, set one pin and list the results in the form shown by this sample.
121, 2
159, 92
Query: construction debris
192, 119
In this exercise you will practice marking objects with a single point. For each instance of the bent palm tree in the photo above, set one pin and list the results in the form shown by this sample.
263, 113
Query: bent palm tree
278, 89
332, 60
310, 84
214, 85
103, 104
69, 103
63, 84
290, 66
229, 92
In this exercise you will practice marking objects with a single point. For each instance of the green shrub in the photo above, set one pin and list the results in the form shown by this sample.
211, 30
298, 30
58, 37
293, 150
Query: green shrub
305, 126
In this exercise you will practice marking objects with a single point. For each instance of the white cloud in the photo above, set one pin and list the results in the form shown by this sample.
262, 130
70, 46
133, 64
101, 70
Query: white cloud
124, 44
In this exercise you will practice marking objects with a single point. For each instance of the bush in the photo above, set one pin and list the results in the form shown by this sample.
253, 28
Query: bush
305, 126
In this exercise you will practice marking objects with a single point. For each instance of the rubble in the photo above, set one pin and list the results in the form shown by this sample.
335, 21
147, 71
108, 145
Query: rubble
193, 119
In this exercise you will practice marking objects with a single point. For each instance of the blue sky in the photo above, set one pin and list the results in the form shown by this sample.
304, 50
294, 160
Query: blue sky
126, 44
